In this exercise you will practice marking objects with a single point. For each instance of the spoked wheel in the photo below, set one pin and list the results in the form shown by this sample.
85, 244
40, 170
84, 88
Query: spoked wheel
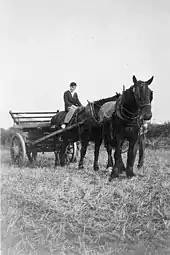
32, 156
71, 152
18, 150
125, 147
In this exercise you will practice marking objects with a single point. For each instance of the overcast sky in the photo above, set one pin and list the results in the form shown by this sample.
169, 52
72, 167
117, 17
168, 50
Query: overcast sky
99, 44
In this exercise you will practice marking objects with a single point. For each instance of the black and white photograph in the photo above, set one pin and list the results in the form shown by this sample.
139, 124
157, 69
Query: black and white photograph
85, 127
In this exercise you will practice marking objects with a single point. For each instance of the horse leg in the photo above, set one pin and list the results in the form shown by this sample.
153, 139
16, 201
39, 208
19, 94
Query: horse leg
133, 146
107, 144
96, 154
117, 156
56, 154
83, 150
62, 154
56, 158
109, 153
121, 164
142, 143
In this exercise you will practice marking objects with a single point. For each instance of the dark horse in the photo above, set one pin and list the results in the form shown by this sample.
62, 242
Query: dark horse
86, 128
132, 108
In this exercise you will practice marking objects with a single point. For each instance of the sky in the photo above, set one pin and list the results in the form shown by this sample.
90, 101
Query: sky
99, 44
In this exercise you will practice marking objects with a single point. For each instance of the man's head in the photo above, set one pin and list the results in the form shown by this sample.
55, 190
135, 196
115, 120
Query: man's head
73, 86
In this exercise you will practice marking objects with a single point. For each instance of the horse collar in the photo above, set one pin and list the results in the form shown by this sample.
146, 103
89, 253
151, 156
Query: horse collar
120, 111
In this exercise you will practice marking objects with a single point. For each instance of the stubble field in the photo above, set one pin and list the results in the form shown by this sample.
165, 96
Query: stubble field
69, 211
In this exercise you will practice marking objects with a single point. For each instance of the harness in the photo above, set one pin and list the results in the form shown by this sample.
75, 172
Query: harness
125, 114
132, 119
93, 113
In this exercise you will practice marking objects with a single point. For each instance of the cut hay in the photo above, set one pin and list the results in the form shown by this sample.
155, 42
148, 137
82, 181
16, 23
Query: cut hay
71, 211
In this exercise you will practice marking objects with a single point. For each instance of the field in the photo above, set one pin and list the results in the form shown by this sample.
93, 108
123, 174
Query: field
69, 211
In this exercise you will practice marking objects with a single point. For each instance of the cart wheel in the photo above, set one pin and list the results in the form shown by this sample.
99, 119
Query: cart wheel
125, 147
18, 150
32, 156
71, 152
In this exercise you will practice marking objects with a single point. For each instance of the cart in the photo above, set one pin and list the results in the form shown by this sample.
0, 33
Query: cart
32, 133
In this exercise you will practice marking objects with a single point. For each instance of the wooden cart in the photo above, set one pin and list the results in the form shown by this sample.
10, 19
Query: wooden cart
32, 133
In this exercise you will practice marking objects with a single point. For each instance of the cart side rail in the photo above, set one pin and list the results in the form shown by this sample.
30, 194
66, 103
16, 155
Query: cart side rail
31, 117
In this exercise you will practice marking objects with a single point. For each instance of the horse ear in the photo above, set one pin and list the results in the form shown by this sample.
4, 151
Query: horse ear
123, 88
134, 80
149, 81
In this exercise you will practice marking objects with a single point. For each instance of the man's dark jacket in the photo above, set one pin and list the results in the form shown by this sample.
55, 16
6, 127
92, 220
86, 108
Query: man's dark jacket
71, 100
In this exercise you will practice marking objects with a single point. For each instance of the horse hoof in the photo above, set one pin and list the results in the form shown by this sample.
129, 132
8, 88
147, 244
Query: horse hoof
113, 176
110, 179
109, 169
96, 168
108, 166
81, 167
131, 175
122, 169
139, 166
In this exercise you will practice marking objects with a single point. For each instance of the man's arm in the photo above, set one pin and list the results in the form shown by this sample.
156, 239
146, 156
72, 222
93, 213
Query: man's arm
66, 100
78, 101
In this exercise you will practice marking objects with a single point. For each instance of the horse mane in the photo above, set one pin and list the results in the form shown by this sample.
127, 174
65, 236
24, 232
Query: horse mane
108, 99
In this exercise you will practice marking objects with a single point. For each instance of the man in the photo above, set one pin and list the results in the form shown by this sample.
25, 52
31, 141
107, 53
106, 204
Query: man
71, 102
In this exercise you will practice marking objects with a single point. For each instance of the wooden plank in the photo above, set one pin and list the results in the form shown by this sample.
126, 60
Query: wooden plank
55, 133
32, 125
34, 117
33, 121
52, 134
33, 112
13, 117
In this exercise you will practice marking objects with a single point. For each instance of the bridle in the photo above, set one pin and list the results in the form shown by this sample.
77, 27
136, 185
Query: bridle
137, 99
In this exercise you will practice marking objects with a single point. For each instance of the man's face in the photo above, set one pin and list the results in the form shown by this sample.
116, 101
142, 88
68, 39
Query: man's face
72, 88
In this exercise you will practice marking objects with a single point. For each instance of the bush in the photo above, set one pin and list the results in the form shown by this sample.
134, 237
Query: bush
5, 136
158, 136
157, 130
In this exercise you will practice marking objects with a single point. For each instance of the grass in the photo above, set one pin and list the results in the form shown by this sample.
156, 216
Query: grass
70, 211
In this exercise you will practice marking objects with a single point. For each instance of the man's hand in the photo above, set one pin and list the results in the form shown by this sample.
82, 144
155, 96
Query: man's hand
72, 107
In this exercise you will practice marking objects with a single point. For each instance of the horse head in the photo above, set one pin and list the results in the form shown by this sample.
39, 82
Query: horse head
143, 96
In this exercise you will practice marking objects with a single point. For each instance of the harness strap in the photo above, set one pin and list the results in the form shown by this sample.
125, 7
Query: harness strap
93, 114
118, 106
